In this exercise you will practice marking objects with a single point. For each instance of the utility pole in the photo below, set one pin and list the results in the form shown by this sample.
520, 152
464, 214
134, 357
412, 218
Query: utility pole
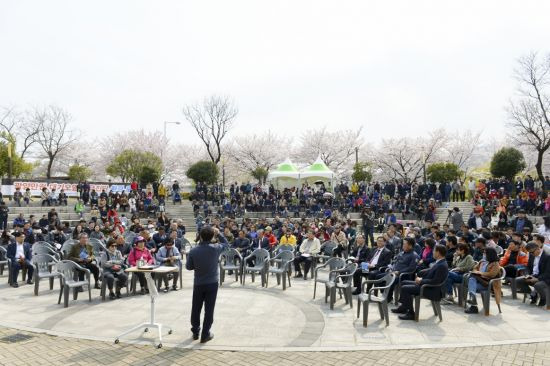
10, 162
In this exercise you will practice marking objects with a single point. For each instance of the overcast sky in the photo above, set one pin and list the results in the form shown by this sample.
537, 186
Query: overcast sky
396, 67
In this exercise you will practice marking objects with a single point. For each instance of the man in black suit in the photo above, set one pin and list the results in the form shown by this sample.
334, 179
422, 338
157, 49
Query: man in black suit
437, 274
377, 258
20, 255
538, 268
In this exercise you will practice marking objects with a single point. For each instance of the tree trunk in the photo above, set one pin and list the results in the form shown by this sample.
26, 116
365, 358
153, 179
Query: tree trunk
50, 163
538, 165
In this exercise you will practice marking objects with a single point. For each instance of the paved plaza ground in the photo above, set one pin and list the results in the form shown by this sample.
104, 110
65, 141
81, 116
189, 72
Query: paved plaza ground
264, 325
25, 348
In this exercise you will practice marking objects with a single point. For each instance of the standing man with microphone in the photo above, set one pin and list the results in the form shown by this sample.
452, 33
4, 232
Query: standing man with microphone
203, 259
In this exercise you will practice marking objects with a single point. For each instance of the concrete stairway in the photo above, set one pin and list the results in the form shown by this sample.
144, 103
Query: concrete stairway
182, 211
442, 212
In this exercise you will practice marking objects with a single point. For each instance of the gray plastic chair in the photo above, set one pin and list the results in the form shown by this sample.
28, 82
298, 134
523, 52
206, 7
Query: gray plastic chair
326, 251
514, 281
44, 249
261, 264
44, 268
66, 248
4, 261
436, 304
69, 280
547, 297
281, 267
486, 293
333, 265
230, 260
365, 298
397, 287
342, 282
43, 244
461, 289
98, 247
103, 290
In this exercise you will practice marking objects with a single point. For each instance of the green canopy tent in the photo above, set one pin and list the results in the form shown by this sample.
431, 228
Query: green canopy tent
286, 175
318, 171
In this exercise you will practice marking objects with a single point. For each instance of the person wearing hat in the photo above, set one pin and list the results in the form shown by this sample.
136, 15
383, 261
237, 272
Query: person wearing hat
521, 222
113, 267
139, 251
20, 255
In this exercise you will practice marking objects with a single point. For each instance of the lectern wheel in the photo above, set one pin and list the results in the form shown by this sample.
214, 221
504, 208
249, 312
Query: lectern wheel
116, 341
160, 345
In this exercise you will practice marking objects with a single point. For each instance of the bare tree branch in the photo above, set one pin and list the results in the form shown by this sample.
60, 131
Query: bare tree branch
212, 121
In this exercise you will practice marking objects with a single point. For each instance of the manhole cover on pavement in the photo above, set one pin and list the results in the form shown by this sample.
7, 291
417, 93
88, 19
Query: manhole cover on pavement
14, 338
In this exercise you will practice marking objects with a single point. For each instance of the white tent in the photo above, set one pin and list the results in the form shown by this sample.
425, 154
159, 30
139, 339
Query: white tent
318, 171
286, 175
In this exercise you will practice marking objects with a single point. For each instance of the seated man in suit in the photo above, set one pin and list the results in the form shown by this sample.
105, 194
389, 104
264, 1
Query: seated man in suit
379, 257
538, 268
437, 274
405, 262
20, 255
261, 241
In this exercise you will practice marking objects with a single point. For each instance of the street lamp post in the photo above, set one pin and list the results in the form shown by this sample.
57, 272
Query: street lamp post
167, 122
165, 142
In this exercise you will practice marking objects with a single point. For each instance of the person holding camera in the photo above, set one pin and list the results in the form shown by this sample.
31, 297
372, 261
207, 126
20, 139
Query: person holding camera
456, 218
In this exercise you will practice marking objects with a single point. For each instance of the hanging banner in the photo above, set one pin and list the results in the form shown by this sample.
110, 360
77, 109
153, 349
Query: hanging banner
69, 188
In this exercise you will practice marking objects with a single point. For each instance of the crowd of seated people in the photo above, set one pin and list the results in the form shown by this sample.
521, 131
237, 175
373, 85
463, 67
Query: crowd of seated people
432, 254
159, 242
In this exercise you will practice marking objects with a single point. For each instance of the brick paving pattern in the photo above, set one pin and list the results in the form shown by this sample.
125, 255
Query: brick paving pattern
25, 348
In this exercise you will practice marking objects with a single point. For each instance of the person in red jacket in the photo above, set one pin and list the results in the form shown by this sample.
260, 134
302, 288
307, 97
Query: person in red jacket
139, 251
514, 259
268, 233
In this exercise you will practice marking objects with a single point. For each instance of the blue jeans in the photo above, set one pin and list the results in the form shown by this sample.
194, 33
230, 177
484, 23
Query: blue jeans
452, 278
474, 286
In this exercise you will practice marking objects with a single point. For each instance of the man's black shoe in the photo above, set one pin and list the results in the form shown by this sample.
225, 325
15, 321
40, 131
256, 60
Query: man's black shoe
15, 285
472, 310
195, 336
534, 299
298, 275
174, 288
356, 292
399, 310
209, 337
407, 316
112, 296
118, 294
542, 303
97, 287
29, 282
